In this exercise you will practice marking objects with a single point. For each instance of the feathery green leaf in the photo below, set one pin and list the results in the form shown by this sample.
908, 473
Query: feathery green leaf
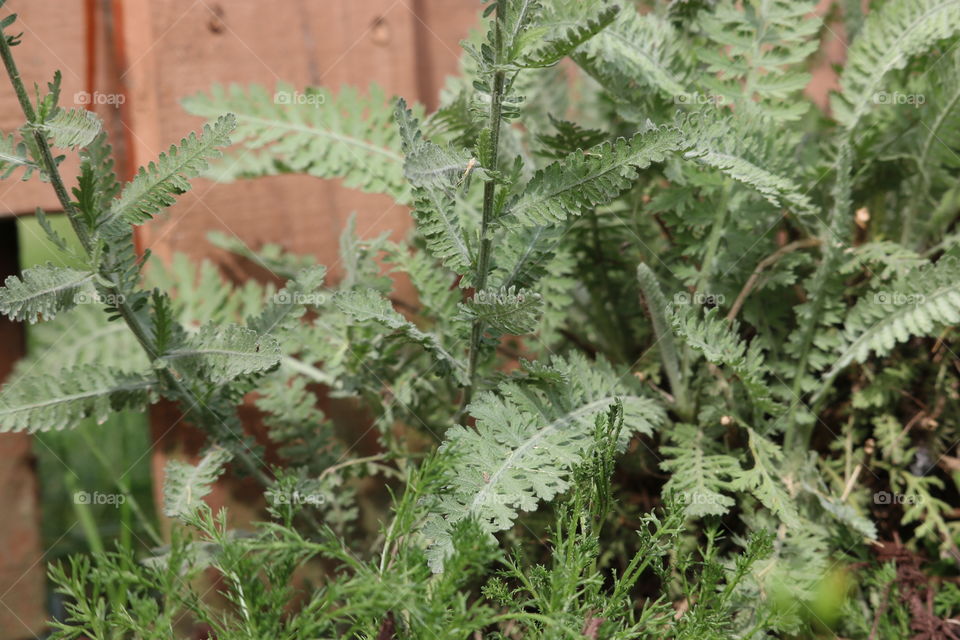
154, 186
43, 291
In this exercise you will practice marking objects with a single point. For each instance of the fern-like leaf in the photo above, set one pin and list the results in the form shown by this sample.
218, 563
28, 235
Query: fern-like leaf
42, 291
587, 179
741, 148
526, 442
367, 305
155, 185
719, 343
510, 311
44, 402
313, 131
699, 472
435, 173
617, 60
186, 485
71, 128
891, 36
918, 304
223, 353
763, 480
756, 53
553, 42
13, 156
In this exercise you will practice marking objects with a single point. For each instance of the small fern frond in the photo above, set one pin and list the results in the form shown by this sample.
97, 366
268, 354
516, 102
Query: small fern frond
155, 185
436, 174
526, 442
367, 305
719, 343
920, 303
756, 52
587, 179
290, 304
71, 128
97, 184
13, 156
657, 309
764, 479
83, 336
614, 59
44, 402
313, 131
699, 472
185, 485
223, 353
42, 292
892, 35
741, 148
555, 41
510, 311
936, 152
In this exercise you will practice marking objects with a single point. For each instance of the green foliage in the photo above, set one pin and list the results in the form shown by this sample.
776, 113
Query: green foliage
42, 292
42, 403
13, 156
186, 485
507, 310
587, 179
891, 37
920, 303
346, 135
436, 174
73, 128
526, 442
224, 352
155, 185
658, 295
611, 58
755, 51
564, 39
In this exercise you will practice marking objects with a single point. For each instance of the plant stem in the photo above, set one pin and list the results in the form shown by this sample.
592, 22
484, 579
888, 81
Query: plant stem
129, 316
762, 266
489, 200
798, 436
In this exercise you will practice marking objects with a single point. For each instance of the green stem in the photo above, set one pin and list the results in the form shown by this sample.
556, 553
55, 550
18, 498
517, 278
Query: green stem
713, 240
124, 487
798, 436
489, 200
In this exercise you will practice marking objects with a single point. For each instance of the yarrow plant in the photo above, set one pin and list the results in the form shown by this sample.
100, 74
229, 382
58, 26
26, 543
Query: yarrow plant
675, 330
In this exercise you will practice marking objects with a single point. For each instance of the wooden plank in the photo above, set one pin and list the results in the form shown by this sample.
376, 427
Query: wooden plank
22, 572
177, 47
53, 38
440, 26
